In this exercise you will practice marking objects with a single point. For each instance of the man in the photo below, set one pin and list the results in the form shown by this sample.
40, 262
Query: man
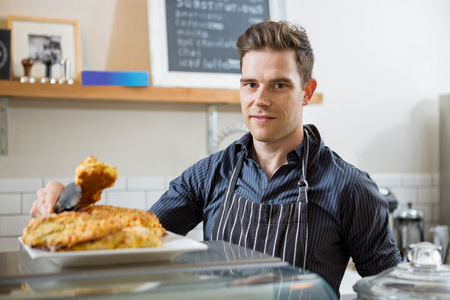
279, 189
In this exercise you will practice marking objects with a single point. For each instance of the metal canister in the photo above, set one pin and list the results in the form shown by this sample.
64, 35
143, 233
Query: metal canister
408, 228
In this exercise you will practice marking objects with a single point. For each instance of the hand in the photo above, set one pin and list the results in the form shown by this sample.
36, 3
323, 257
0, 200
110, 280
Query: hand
46, 199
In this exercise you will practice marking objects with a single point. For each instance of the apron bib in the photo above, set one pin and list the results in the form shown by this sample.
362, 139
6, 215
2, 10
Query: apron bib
278, 230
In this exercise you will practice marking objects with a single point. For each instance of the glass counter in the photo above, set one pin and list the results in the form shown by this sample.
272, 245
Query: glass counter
223, 271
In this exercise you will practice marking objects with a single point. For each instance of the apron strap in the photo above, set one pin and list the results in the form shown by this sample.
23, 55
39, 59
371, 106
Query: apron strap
236, 171
315, 149
230, 189
303, 183
303, 190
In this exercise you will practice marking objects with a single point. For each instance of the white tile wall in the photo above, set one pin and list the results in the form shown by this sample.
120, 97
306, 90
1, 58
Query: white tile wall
132, 199
17, 196
153, 196
417, 180
10, 204
387, 180
63, 180
11, 226
27, 202
119, 185
147, 183
421, 190
20, 185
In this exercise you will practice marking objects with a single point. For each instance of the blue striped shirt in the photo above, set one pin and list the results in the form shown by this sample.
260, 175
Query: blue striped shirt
347, 216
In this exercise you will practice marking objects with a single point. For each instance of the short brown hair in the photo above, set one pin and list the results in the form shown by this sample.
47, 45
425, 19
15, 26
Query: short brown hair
279, 36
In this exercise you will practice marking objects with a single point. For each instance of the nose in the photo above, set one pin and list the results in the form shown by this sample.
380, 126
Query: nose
262, 97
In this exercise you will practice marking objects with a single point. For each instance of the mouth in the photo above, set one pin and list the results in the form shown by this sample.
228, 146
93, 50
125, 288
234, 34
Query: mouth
261, 118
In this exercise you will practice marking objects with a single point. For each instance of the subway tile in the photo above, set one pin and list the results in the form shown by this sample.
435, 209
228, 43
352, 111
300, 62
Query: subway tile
27, 202
153, 196
103, 200
387, 180
9, 204
436, 179
146, 183
127, 199
428, 211
418, 180
20, 185
9, 244
120, 184
405, 195
437, 211
64, 180
428, 195
13, 225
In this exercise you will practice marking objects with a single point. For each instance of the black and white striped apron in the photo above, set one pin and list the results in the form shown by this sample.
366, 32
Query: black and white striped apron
278, 230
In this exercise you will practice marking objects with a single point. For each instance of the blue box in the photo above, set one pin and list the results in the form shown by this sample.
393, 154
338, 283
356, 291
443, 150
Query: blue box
122, 78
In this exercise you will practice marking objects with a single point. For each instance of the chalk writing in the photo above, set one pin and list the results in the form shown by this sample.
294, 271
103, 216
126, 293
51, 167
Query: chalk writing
202, 34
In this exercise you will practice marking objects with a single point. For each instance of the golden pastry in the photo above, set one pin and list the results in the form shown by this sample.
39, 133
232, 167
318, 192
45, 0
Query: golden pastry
69, 228
93, 177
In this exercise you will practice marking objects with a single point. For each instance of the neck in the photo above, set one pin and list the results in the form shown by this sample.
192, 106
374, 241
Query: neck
272, 156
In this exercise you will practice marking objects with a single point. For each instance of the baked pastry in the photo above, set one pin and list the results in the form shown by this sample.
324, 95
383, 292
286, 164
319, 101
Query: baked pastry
130, 217
93, 177
69, 228
95, 227
128, 237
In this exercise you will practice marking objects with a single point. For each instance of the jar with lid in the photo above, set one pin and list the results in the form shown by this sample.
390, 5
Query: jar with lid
423, 277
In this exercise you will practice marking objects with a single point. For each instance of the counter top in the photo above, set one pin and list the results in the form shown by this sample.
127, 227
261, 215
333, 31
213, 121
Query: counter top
19, 266
224, 269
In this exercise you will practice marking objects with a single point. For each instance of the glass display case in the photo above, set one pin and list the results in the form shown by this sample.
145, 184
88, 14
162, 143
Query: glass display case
223, 271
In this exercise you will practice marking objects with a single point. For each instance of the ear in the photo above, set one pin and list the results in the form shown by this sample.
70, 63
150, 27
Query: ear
310, 87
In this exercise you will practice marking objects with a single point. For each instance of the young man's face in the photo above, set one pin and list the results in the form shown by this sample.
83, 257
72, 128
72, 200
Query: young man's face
271, 95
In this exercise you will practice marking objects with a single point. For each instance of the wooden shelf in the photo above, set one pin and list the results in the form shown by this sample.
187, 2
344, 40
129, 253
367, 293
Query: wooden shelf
15, 89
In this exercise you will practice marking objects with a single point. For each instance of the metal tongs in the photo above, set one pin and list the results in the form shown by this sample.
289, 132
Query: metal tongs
68, 199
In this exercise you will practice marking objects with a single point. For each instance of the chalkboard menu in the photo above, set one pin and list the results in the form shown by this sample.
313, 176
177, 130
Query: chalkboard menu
202, 34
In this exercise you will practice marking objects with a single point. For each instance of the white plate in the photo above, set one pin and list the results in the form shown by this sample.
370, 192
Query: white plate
172, 245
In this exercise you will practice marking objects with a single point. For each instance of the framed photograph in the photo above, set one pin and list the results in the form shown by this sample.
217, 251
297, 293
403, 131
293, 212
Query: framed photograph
193, 43
43, 39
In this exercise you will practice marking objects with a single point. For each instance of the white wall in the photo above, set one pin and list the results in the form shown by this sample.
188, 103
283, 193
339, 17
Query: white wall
381, 66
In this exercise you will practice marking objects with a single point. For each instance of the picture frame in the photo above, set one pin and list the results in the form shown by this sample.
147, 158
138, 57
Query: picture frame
161, 73
30, 34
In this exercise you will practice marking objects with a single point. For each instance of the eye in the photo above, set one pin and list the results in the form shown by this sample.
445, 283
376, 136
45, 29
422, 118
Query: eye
251, 85
280, 85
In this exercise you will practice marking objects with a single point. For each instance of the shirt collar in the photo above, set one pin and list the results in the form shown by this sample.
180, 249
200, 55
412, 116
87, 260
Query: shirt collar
246, 142
296, 154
